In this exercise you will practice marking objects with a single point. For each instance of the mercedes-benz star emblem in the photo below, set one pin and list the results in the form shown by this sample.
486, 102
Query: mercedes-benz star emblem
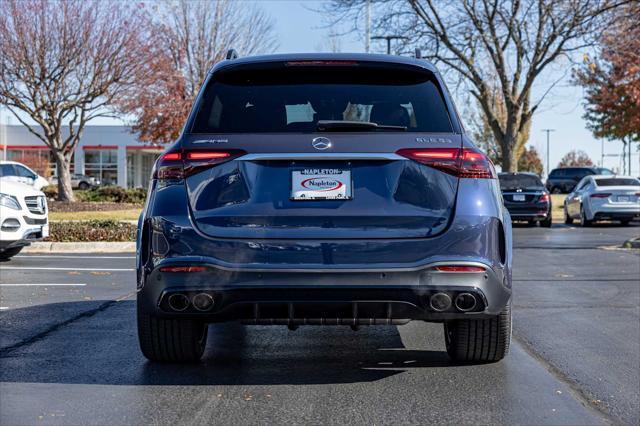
321, 143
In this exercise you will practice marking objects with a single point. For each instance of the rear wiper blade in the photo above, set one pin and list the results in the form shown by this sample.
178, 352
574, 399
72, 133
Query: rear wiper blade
342, 125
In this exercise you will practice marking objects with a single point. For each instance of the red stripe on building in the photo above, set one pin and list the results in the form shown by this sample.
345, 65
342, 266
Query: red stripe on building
140, 147
26, 147
94, 147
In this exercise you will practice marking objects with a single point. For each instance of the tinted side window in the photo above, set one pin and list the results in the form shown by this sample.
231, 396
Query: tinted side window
579, 173
7, 170
557, 173
583, 184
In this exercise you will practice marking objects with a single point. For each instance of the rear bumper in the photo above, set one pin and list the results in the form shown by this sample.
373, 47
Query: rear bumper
326, 297
615, 212
530, 212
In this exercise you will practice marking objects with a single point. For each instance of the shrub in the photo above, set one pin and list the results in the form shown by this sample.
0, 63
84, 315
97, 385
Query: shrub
92, 230
113, 194
50, 191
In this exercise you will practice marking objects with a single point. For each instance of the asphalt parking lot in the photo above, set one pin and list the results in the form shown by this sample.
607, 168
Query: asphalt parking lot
69, 354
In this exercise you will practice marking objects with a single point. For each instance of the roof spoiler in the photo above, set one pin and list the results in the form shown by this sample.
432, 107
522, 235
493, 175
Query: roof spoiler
232, 54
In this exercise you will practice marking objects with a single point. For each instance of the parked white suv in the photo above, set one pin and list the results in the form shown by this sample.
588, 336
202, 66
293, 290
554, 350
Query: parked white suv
23, 217
18, 172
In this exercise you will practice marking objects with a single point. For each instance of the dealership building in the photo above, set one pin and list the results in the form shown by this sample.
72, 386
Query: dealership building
109, 153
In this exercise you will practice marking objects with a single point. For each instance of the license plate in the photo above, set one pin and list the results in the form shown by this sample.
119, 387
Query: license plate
45, 231
321, 184
518, 197
624, 198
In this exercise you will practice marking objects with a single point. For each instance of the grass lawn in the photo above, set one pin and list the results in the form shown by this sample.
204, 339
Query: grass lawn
557, 201
130, 214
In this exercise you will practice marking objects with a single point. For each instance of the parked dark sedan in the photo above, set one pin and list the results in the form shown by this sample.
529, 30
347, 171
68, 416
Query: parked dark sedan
526, 198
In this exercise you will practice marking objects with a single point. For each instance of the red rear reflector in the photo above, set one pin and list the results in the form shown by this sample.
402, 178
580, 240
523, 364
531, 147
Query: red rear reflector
464, 163
172, 156
460, 268
207, 155
183, 268
600, 195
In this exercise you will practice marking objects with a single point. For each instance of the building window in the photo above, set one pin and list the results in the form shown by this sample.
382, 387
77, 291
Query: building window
139, 167
102, 164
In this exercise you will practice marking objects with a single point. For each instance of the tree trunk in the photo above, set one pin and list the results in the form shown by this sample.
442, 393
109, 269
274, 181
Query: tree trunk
63, 163
510, 155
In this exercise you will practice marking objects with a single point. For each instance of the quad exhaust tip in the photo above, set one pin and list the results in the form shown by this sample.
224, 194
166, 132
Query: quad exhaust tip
202, 301
465, 302
440, 302
178, 302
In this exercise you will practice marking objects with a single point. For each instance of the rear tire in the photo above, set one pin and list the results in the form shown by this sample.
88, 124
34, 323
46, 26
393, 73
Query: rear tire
9, 253
546, 223
479, 340
625, 222
83, 186
568, 220
584, 222
170, 340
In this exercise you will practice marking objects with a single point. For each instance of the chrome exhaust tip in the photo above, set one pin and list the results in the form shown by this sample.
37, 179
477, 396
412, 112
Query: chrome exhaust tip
440, 302
465, 302
202, 302
178, 302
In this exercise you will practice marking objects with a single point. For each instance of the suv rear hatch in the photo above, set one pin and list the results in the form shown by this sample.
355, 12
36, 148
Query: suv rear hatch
321, 150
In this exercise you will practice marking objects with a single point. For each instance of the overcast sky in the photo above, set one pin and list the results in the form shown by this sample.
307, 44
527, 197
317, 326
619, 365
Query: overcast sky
301, 29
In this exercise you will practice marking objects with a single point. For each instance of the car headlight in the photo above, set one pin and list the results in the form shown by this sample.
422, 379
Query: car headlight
9, 201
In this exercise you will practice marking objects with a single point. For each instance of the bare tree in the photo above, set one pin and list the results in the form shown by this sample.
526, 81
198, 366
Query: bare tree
63, 63
508, 41
191, 37
332, 43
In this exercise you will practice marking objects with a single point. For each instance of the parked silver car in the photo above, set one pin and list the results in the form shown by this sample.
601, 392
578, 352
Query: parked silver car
79, 181
603, 197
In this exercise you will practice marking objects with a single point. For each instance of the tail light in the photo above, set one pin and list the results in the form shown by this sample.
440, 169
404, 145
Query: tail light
600, 195
177, 165
544, 198
459, 268
463, 163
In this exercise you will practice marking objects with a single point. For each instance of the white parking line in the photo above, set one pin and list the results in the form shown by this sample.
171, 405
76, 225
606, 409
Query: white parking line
73, 257
24, 268
44, 285
3, 308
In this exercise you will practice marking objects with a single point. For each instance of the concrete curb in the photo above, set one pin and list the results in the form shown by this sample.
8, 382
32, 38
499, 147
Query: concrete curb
82, 247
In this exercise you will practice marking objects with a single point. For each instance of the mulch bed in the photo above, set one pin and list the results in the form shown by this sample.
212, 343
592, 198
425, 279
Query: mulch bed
86, 206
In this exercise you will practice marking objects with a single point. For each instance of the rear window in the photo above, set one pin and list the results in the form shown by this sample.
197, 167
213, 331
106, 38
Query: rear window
267, 98
617, 182
519, 182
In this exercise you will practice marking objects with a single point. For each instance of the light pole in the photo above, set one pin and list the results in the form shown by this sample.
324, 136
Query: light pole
389, 38
548, 131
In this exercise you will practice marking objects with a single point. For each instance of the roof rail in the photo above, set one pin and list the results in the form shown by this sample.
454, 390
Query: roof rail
418, 53
232, 54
